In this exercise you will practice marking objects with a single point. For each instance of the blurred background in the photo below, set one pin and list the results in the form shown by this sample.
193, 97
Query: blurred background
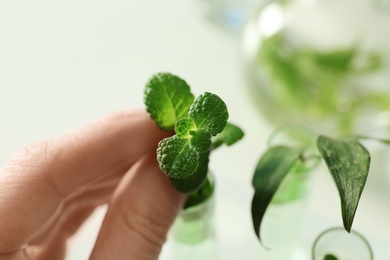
321, 64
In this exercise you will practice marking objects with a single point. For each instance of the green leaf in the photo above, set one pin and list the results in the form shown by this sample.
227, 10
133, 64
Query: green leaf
185, 166
230, 135
184, 127
200, 195
176, 158
200, 141
330, 257
209, 112
348, 163
167, 98
184, 156
192, 182
337, 61
271, 169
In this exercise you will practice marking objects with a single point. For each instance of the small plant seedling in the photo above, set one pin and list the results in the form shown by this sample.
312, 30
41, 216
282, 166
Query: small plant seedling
330, 257
347, 160
199, 125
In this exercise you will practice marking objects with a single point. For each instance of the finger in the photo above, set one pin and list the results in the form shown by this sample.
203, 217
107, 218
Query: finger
55, 247
22, 254
93, 195
35, 182
51, 244
140, 213
89, 199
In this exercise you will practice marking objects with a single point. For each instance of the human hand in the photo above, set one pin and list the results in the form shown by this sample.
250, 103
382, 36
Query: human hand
49, 189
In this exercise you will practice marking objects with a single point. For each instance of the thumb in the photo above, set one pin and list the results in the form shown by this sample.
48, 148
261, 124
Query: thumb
139, 215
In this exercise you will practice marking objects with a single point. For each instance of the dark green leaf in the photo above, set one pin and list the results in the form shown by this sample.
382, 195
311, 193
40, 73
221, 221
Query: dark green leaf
182, 156
271, 169
230, 135
348, 163
203, 193
194, 181
330, 257
209, 112
200, 141
176, 158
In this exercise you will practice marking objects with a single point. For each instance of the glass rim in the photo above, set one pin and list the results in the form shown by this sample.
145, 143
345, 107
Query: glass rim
354, 232
310, 135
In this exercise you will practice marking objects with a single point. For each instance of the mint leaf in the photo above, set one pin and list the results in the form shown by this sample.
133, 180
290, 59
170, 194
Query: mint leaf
184, 156
203, 193
201, 141
184, 127
348, 163
199, 138
176, 158
209, 112
167, 98
230, 135
270, 171
194, 181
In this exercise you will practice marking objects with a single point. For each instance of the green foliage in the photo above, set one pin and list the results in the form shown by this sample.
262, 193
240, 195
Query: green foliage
200, 195
312, 83
192, 183
167, 98
330, 257
184, 127
210, 113
348, 163
176, 158
184, 156
180, 156
270, 171
230, 135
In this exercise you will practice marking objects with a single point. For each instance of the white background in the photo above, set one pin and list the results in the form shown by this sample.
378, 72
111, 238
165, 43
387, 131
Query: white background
66, 63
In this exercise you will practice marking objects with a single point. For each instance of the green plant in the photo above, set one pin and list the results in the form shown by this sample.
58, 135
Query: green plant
330, 257
314, 83
347, 160
199, 126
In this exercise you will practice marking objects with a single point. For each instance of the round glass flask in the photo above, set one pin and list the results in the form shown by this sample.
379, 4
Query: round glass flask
324, 64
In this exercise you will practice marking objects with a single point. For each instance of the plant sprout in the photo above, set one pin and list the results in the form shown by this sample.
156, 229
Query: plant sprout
200, 125
330, 257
